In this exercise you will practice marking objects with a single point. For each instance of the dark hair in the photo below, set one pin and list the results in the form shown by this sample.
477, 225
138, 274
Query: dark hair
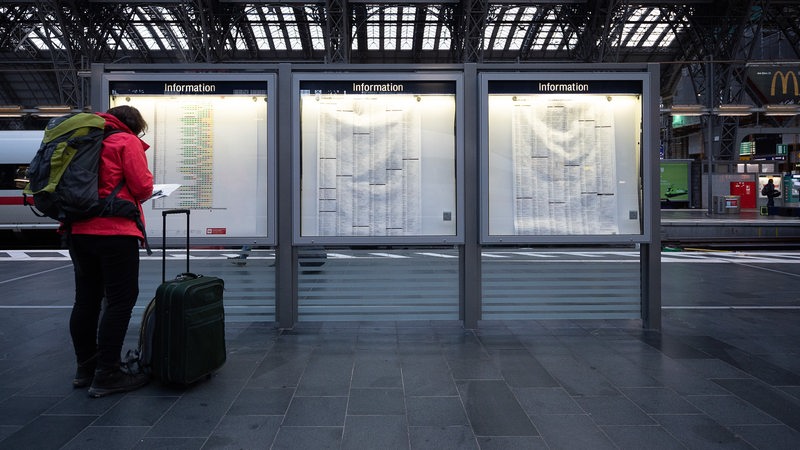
130, 116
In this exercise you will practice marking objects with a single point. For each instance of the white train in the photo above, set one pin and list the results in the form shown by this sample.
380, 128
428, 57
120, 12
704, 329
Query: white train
17, 149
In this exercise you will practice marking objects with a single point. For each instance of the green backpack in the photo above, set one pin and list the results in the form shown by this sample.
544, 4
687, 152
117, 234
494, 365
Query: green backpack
62, 177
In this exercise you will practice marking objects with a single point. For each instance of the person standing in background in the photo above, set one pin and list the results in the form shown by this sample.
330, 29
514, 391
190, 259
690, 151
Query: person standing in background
105, 256
770, 192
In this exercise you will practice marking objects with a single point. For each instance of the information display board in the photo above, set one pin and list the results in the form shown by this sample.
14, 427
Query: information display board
377, 159
561, 156
210, 135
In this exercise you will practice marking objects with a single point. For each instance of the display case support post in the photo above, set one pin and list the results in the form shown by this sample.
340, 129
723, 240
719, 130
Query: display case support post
650, 252
470, 254
285, 254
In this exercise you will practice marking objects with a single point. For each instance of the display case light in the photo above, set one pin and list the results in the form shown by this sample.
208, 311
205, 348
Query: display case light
734, 110
781, 110
688, 110
11, 111
52, 110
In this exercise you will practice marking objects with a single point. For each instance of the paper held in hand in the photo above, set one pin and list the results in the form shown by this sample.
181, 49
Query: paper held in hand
163, 190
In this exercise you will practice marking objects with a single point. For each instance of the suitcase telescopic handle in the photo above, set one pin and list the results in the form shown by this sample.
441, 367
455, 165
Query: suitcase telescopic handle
164, 215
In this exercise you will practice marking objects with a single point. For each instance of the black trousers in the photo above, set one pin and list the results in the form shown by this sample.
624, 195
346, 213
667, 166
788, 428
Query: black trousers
105, 267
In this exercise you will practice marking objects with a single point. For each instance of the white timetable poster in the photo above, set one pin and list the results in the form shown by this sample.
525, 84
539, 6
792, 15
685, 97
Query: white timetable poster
377, 164
564, 163
209, 138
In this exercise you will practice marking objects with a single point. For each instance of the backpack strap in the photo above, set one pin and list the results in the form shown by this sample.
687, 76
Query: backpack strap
135, 217
30, 205
131, 212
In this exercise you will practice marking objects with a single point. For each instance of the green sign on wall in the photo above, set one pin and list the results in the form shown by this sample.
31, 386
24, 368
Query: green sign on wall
674, 181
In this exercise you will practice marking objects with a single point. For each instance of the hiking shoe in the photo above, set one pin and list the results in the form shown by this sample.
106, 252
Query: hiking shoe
85, 373
107, 382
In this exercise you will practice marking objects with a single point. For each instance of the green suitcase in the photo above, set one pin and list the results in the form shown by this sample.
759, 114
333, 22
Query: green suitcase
189, 323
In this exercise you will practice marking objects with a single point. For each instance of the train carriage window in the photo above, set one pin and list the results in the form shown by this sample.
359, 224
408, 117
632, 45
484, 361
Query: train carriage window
10, 174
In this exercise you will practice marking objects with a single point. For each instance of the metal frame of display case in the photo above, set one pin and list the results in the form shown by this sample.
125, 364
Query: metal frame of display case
103, 81
344, 80
471, 237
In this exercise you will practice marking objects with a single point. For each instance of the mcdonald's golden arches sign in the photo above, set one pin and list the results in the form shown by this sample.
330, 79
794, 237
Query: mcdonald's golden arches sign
775, 84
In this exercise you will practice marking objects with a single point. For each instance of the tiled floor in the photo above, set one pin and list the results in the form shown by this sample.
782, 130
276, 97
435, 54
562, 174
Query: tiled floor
717, 377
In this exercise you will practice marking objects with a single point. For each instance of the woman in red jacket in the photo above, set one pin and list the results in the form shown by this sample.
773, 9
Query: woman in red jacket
105, 255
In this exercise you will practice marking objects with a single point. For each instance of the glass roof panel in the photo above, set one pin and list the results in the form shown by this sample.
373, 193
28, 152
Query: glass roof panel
373, 36
315, 30
434, 25
648, 27
390, 19
502, 36
277, 36
407, 37
277, 28
44, 39
487, 33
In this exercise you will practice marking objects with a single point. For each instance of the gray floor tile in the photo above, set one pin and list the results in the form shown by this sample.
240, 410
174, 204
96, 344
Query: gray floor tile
280, 369
769, 437
731, 410
46, 432
7, 430
305, 438
576, 377
375, 432
773, 401
699, 432
714, 368
546, 401
170, 443
520, 369
512, 443
377, 373
615, 410
436, 412
442, 438
136, 411
493, 410
474, 369
258, 401
79, 402
19, 410
244, 432
326, 375
104, 438
648, 437
659, 401
571, 431
197, 411
377, 401
427, 377
316, 412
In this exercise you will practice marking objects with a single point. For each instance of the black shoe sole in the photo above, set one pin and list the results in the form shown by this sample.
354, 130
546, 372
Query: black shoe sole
96, 392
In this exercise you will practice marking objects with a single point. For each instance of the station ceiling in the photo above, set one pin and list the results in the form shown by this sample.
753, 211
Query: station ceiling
46, 47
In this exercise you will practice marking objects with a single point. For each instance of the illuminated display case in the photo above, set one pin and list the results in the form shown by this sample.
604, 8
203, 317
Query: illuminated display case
562, 157
377, 158
212, 135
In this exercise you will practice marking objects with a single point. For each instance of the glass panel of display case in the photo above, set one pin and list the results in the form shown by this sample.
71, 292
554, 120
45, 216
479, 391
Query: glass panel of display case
377, 159
211, 137
563, 157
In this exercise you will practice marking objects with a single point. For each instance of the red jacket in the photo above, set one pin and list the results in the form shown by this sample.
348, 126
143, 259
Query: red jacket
122, 157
